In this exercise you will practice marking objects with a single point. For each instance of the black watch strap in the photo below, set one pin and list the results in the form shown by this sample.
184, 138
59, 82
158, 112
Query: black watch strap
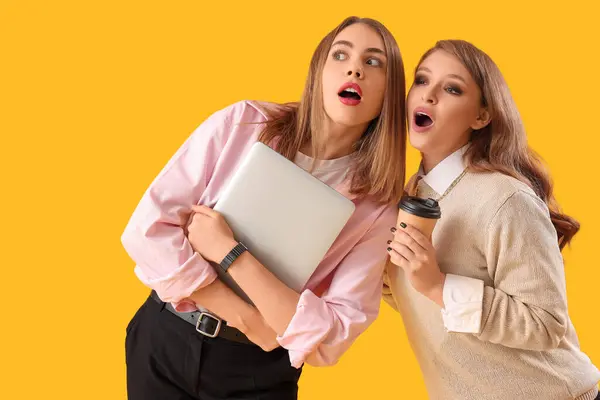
232, 256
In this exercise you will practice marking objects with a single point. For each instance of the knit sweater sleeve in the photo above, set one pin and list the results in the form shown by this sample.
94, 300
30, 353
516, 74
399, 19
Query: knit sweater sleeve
527, 307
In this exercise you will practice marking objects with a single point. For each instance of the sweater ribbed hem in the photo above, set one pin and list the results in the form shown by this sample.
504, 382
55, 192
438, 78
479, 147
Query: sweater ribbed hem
591, 395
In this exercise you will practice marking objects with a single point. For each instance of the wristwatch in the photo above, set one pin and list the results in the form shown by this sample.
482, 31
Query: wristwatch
232, 256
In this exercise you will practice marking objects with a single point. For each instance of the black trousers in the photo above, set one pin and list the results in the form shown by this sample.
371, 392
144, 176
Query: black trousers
167, 359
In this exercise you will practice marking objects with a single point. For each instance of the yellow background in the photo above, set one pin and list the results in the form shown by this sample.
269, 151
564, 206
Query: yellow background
95, 97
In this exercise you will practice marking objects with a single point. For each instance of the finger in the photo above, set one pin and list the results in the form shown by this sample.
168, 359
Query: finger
204, 210
403, 237
416, 235
196, 218
403, 250
398, 260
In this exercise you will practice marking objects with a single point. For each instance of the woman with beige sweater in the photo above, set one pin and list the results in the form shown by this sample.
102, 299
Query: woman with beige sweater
484, 300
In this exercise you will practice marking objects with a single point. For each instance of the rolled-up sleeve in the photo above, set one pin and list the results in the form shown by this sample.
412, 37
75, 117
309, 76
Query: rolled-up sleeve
154, 236
323, 328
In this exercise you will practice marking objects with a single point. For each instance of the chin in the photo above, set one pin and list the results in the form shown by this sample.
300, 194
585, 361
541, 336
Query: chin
350, 122
419, 141
347, 118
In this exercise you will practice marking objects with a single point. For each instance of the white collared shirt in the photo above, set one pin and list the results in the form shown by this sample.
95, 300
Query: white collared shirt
463, 296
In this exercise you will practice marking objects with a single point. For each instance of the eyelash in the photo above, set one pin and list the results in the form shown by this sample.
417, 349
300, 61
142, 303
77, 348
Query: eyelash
337, 53
453, 90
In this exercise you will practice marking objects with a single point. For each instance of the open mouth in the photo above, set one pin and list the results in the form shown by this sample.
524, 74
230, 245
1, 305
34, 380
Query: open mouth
423, 120
350, 93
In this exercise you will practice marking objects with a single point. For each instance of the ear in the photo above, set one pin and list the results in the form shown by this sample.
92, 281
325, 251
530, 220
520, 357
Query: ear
483, 119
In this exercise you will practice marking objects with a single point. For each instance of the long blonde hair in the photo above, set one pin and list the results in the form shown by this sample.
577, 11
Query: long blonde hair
379, 170
502, 145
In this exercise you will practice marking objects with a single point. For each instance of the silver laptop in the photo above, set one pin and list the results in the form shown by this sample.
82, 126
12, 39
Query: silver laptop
287, 218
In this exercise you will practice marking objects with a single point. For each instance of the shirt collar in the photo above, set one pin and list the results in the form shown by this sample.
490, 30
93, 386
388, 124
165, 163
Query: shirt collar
442, 175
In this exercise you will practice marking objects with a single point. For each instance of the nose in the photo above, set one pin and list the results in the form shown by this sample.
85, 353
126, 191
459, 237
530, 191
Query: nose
428, 95
355, 71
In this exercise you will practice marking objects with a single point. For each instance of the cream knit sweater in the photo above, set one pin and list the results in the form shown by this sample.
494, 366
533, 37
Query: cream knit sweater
494, 228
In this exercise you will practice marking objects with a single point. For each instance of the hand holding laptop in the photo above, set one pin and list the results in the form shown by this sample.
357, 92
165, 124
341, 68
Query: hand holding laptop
210, 234
287, 218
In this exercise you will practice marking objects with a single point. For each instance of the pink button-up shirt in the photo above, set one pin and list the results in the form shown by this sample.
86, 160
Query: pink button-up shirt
342, 297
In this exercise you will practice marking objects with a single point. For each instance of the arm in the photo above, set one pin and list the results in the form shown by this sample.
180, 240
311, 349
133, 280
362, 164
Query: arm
154, 237
262, 287
527, 307
222, 301
323, 329
388, 296
314, 329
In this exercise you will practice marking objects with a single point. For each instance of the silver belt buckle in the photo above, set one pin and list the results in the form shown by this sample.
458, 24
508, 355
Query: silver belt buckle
217, 329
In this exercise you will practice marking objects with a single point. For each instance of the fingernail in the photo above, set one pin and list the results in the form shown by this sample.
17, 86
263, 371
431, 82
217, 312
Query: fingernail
393, 229
389, 241
403, 225
389, 249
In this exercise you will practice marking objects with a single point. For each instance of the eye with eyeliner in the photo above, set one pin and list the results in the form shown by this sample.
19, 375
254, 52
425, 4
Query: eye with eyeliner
453, 89
419, 80
448, 88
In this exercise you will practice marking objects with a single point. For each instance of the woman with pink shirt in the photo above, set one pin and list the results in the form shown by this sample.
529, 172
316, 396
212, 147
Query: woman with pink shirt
351, 121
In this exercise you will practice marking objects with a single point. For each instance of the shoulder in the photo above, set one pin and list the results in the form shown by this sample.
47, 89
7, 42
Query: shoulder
384, 216
244, 111
507, 197
241, 122
495, 188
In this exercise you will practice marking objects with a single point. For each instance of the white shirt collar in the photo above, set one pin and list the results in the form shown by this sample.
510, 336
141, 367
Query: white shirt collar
442, 175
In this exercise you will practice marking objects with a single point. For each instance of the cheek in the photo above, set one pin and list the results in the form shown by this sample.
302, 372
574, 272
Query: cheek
454, 120
462, 113
324, 79
327, 83
410, 99
377, 91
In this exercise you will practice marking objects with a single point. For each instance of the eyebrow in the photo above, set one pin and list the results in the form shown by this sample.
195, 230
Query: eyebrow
349, 44
460, 78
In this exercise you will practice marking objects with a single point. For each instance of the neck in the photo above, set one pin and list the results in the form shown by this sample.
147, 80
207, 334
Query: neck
337, 141
429, 160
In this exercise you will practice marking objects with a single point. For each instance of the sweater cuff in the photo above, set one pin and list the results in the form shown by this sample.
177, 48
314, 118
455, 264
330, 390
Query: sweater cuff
463, 302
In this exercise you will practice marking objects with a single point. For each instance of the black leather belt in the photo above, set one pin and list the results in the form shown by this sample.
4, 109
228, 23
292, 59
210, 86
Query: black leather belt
207, 324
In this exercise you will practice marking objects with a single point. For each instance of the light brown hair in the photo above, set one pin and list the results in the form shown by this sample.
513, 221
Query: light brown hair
379, 167
502, 145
